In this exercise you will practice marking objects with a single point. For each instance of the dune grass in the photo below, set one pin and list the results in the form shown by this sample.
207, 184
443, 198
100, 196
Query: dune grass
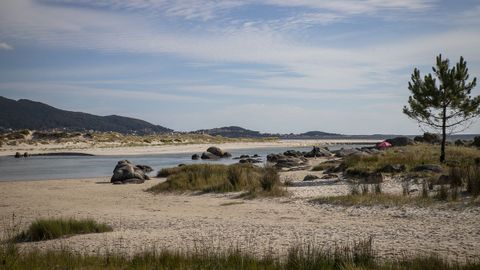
411, 156
356, 255
221, 178
46, 229
371, 199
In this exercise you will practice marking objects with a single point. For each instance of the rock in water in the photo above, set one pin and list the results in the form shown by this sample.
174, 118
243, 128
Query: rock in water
126, 172
216, 151
195, 157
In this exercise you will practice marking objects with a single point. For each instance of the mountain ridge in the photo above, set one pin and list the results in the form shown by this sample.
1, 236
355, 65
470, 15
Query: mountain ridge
28, 114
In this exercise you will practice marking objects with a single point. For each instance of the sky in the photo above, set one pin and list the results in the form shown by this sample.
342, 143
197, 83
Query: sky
270, 65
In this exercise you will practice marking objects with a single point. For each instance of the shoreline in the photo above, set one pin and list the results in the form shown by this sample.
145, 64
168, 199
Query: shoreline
107, 150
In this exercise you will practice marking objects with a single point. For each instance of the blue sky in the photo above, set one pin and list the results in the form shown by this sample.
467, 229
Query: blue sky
269, 65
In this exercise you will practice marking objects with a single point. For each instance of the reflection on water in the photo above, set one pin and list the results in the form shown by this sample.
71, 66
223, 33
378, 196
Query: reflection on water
68, 167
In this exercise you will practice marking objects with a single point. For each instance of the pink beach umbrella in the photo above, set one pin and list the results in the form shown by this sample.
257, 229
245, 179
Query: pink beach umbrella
384, 145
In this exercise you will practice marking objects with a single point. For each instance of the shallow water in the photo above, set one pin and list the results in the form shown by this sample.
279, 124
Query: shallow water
71, 167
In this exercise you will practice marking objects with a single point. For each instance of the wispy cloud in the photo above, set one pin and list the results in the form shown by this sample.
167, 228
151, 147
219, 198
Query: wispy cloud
5, 46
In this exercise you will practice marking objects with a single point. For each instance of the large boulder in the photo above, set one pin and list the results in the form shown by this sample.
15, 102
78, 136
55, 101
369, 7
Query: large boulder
219, 153
318, 152
400, 141
215, 150
293, 153
126, 172
208, 155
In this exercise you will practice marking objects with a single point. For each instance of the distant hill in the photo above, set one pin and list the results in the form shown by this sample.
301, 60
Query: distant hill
27, 114
239, 132
232, 132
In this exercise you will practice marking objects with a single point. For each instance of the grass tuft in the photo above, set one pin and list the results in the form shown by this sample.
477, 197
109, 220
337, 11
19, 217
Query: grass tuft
222, 178
46, 229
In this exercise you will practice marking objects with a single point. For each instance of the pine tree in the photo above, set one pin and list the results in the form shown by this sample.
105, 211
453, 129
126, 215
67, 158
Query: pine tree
446, 106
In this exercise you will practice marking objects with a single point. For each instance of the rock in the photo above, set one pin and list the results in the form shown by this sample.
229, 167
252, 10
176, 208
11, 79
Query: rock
290, 162
256, 156
18, 155
26, 154
145, 168
208, 155
400, 141
476, 141
219, 153
250, 160
126, 172
428, 167
216, 151
392, 168
310, 177
274, 157
293, 153
345, 152
318, 152
195, 157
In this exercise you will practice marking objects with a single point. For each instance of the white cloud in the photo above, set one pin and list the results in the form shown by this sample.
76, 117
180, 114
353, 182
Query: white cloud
5, 46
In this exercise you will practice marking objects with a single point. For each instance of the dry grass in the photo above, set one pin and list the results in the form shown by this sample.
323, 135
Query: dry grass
372, 199
411, 156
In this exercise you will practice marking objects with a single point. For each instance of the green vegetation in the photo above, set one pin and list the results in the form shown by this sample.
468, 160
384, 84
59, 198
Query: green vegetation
221, 178
45, 229
357, 255
410, 156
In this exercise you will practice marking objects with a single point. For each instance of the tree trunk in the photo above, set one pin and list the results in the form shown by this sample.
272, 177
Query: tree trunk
444, 135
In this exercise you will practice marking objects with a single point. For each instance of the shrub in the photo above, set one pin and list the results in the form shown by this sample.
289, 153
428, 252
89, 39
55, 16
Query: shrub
45, 229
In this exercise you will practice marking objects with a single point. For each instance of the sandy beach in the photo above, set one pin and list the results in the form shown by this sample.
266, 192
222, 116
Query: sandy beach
108, 149
142, 220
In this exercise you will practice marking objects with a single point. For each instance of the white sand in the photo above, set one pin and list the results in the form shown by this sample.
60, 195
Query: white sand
142, 220
165, 149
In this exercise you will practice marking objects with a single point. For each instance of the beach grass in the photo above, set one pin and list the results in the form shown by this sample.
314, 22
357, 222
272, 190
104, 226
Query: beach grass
52, 228
356, 255
221, 178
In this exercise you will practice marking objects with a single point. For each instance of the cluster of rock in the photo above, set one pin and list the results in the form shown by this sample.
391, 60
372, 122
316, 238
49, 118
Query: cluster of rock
212, 152
249, 159
19, 155
128, 173
296, 160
